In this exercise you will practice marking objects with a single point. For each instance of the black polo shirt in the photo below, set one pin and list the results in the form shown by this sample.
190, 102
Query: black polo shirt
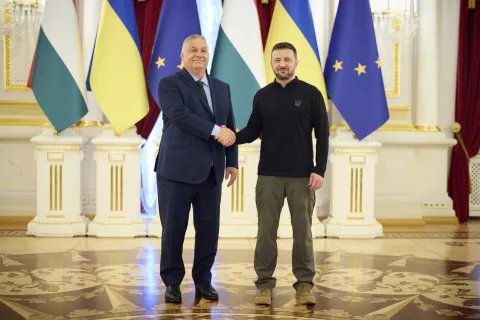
285, 118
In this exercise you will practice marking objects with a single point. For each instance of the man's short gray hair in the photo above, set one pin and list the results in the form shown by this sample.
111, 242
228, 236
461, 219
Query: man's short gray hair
193, 36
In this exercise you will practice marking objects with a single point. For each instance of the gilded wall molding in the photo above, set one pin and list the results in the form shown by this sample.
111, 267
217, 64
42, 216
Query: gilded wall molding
7, 60
395, 91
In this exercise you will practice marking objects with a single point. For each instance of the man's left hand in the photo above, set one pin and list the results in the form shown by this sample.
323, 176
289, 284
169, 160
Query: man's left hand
316, 182
232, 174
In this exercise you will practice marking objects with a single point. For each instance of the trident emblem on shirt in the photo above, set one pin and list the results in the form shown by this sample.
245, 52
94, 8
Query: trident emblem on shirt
298, 103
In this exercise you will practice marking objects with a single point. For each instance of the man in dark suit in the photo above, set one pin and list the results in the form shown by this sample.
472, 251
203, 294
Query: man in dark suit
191, 164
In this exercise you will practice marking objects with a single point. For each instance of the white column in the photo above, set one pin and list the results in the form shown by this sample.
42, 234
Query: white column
59, 209
427, 68
118, 185
353, 188
89, 16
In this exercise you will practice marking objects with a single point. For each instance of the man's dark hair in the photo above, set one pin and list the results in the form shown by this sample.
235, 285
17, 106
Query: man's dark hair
285, 45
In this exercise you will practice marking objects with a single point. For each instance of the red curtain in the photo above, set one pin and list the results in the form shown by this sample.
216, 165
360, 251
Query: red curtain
265, 12
147, 14
467, 106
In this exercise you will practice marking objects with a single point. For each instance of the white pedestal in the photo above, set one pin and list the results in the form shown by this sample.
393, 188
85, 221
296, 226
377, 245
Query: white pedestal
59, 209
118, 185
353, 188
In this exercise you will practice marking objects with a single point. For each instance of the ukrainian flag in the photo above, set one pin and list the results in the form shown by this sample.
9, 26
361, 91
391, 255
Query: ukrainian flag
116, 77
292, 22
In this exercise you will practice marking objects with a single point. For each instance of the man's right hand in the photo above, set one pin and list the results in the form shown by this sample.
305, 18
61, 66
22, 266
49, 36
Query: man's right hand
226, 137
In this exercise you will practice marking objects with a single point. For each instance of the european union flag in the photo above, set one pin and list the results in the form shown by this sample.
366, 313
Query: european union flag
353, 73
178, 20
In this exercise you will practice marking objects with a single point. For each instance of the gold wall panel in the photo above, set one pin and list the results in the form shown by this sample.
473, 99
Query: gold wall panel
8, 57
395, 91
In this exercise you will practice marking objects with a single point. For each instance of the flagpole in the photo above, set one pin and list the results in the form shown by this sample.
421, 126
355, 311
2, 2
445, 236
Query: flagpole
88, 12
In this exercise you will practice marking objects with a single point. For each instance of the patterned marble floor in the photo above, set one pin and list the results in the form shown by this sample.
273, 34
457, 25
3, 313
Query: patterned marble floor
397, 277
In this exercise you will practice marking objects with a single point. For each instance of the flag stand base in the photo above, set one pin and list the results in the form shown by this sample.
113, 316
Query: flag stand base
118, 185
353, 188
59, 208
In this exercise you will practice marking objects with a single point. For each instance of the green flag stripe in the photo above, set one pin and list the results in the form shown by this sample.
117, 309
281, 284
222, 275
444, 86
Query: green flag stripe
229, 66
54, 87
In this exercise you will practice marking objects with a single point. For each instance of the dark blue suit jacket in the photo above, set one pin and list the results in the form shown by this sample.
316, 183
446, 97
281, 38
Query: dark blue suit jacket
187, 149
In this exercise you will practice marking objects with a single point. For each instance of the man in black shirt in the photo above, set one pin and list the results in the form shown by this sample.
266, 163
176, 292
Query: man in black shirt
284, 114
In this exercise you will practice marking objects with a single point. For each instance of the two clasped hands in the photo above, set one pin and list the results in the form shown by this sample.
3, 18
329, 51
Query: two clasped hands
226, 137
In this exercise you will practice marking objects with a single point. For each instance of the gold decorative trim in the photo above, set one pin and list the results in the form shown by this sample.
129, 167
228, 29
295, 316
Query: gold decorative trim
55, 216
401, 222
356, 226
88, 123
440, 220
55, 183
121, 188
116, 188
57, 222
7, 57
61, 187
351, 189
51, 187
395, 92
400, 108
355, 218
21, 111
386, 127
242, 194
356, 189
19, 102
111, 188
361, 190
427, 128
42, 148
237, 196
22, 122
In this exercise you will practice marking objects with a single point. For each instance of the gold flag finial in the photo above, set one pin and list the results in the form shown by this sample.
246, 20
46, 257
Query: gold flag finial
264, 1
456, 127
471, 4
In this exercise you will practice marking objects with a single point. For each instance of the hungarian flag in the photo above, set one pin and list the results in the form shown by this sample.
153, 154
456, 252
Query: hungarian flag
238, 58
57, 75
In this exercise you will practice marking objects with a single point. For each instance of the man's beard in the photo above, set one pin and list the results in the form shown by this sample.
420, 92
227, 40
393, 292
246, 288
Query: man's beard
283, 77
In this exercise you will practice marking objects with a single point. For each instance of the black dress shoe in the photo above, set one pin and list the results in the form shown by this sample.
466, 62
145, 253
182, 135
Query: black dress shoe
206, 291
173, 294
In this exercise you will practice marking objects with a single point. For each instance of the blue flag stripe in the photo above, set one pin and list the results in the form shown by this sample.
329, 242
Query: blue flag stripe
301, 14
125, 10
178, 20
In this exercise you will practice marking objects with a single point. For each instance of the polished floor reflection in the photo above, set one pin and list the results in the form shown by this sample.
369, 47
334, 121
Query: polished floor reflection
402, 276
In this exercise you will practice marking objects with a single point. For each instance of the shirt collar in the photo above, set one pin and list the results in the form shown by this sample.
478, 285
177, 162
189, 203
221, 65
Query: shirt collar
204, 78
291, 84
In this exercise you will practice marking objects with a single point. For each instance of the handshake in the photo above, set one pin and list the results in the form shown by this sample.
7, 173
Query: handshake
226, 137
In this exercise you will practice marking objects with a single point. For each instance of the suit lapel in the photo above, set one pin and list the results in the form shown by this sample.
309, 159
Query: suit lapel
213, 92
190, 82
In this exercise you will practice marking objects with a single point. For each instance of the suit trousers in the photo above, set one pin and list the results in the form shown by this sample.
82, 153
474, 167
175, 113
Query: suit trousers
174, 202
270, 197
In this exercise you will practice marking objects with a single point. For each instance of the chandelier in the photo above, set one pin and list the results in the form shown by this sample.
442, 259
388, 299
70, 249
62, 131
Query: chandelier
24, 15
396, 20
